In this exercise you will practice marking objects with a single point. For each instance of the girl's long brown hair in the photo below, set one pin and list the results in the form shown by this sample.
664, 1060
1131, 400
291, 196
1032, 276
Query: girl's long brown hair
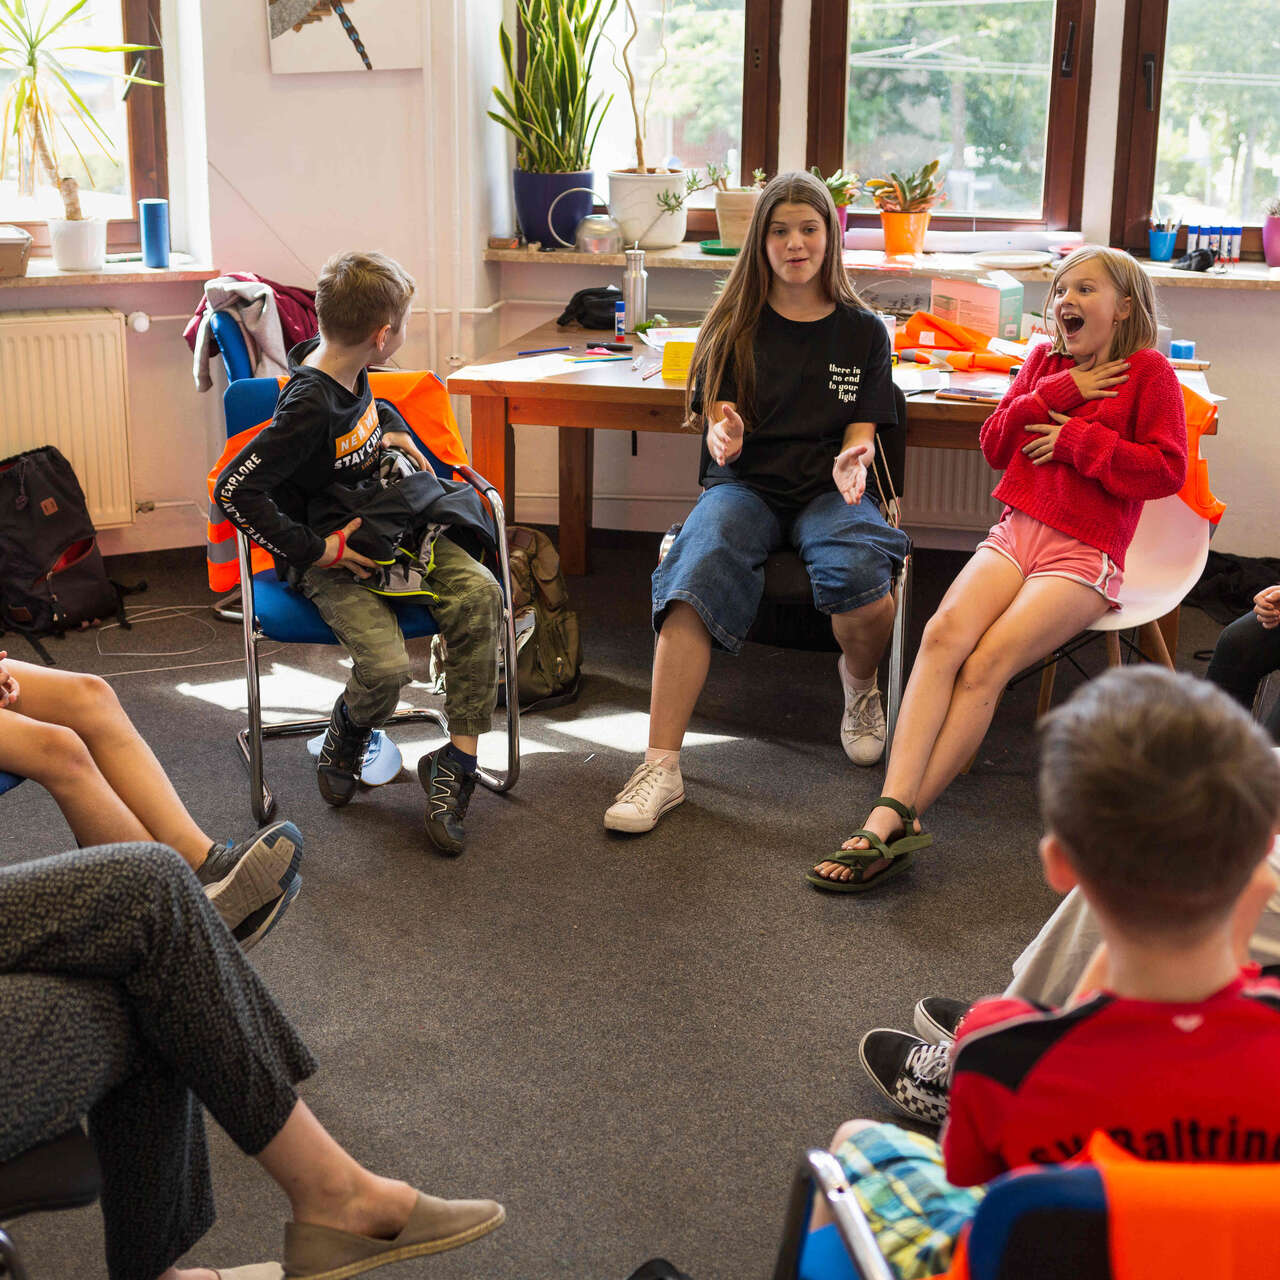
728, 333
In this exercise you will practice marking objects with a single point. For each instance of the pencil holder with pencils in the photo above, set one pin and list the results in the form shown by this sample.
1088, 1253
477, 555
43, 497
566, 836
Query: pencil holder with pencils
1160, 244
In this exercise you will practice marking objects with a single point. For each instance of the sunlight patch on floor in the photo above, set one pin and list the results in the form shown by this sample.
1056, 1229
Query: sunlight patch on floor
627, 731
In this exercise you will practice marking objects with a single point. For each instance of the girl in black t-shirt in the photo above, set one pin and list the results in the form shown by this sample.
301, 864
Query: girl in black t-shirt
790, 379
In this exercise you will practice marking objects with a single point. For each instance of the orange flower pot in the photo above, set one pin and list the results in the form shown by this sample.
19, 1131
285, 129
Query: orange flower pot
904, 233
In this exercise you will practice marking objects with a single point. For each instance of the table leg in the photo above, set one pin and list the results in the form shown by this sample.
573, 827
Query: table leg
493, 448
577, 456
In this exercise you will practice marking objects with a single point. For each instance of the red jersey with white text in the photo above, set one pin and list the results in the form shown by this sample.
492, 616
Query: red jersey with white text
1187, 1082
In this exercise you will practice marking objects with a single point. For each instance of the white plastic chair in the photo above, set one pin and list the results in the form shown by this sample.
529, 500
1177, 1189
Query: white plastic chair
1164, 561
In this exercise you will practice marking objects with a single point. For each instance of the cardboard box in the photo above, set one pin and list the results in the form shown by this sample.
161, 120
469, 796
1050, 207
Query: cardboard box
991, 304
15, 248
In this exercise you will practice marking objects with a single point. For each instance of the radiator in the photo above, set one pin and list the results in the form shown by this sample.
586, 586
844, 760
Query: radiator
62, 382
949, 489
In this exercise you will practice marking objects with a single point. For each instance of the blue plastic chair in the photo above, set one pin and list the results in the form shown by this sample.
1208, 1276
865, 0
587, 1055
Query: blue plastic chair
231, 345
1050, 1224
275, 611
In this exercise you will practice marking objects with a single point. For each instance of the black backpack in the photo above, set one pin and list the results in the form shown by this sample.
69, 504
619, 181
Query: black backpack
592, 308
52, 578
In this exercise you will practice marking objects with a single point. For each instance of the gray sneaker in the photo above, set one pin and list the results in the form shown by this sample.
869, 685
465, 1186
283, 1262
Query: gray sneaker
252, 883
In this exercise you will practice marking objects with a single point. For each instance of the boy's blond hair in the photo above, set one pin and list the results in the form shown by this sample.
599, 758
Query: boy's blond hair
358, 293
1166, 796
1138, 329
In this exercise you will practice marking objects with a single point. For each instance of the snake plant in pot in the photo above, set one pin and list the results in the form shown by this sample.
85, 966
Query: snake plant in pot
551, 111
41, 103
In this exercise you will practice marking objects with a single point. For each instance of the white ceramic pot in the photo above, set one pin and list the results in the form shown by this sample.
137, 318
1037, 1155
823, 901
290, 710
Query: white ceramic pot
733, 215
633, 201
79, 245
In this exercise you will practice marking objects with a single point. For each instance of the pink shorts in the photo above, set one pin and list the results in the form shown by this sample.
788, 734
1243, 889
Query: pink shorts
1040, 552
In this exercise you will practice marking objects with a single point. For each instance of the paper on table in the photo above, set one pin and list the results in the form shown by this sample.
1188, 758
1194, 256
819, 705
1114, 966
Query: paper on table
1195, 379
658, 338
911, 378
529, 369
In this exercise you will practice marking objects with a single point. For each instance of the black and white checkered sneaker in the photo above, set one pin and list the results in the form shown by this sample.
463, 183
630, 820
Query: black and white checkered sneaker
911, 1073
937, 1017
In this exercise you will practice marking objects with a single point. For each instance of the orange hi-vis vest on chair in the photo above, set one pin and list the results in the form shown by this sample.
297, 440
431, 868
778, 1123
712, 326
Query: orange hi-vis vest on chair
1202, 420
422, 402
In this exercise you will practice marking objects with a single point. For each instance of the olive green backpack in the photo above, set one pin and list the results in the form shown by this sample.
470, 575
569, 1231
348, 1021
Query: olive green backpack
549, 668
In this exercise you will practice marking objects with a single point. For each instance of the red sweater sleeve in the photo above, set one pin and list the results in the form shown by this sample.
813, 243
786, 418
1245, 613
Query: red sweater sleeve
1151, 465
1027, 401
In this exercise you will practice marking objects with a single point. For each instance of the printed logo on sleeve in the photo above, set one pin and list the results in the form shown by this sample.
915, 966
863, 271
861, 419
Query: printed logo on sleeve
844, 382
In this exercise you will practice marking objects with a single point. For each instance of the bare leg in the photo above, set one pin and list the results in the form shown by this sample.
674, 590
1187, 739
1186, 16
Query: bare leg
467, 742
120, 791
1046, 614
982, 591
680, 667
862, 635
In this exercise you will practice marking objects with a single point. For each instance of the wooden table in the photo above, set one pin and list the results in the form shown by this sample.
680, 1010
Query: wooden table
614, 397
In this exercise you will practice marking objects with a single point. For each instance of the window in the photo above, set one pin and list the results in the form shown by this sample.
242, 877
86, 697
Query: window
715, 101
1199, 134
134, 122
998, 89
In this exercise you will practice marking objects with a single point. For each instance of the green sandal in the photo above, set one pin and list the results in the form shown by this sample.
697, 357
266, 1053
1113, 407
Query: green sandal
899, 853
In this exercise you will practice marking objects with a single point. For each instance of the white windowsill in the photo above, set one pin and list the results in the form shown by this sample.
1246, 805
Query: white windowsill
41, 273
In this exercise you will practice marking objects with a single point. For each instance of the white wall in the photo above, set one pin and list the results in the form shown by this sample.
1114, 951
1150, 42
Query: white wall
301, 166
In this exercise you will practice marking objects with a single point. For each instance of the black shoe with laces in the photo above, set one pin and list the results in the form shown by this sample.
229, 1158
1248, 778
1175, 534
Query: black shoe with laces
937, 1017
911, 1073
252, 883
448, 787
341, 756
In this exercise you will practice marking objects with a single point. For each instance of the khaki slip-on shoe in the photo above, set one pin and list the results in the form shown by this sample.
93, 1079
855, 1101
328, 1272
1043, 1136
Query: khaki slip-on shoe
254, 1271
322, 1253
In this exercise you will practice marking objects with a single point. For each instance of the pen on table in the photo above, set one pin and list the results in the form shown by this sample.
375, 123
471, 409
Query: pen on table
542, 351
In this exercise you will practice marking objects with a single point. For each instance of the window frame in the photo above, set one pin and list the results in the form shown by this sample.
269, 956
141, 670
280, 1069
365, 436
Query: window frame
1138, 131
148, 150
1063, 204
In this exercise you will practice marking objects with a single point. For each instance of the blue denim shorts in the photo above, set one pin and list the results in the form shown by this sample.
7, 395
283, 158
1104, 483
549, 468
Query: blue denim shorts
716, 564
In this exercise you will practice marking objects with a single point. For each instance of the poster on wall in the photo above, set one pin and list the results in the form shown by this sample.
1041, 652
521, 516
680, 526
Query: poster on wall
344, 35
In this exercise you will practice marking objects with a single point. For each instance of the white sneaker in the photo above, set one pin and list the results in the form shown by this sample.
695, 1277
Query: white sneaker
862, 726
649, 793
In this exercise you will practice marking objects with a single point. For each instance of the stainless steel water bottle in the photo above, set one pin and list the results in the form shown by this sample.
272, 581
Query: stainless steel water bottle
635, 289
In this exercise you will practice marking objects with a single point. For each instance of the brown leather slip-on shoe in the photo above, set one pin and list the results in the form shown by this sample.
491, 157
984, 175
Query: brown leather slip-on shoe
322, 1253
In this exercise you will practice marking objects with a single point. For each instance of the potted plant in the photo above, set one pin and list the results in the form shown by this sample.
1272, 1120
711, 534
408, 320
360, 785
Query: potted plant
734, 205
550, 111
904, 205
844, 189
647, 201
1271, 233
41, 99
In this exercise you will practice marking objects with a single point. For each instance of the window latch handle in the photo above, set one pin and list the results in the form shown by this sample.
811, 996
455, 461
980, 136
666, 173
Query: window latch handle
1068, 52
1149, 76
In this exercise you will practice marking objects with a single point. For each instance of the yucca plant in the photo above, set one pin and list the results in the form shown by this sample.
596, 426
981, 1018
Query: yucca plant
41, 99
549, 110
916, 193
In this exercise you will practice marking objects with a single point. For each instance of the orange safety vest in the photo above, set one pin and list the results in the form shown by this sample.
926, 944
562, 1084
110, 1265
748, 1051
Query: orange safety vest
423, 403
1202, 420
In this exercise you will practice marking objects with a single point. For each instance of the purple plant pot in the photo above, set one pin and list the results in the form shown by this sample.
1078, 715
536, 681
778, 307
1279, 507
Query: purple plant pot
842, 216
1271, 240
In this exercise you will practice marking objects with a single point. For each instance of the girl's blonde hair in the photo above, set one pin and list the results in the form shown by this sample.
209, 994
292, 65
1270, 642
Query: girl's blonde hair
1138, 329
727, 335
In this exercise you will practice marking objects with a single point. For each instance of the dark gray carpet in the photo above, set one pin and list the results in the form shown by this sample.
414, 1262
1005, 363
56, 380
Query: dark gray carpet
627, 1040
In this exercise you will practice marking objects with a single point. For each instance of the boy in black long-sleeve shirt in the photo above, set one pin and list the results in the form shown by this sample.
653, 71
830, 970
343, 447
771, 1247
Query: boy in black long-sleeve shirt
327, 431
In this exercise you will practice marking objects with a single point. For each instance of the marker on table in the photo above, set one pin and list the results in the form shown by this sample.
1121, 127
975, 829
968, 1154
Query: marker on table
596, 359
542, 351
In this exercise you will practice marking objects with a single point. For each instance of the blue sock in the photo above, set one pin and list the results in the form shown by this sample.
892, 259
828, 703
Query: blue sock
469, 763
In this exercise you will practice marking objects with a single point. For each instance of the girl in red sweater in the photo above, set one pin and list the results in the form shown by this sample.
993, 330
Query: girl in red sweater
1091, 428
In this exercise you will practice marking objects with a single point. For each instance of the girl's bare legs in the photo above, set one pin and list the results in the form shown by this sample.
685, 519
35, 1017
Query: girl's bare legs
983, 589
680, 665
1045, 613
68, 732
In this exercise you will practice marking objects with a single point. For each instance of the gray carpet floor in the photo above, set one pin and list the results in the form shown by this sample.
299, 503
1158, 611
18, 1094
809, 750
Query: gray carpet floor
629, 1041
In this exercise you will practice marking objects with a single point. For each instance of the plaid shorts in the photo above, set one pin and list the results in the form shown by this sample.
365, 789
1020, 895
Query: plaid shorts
915, 1213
